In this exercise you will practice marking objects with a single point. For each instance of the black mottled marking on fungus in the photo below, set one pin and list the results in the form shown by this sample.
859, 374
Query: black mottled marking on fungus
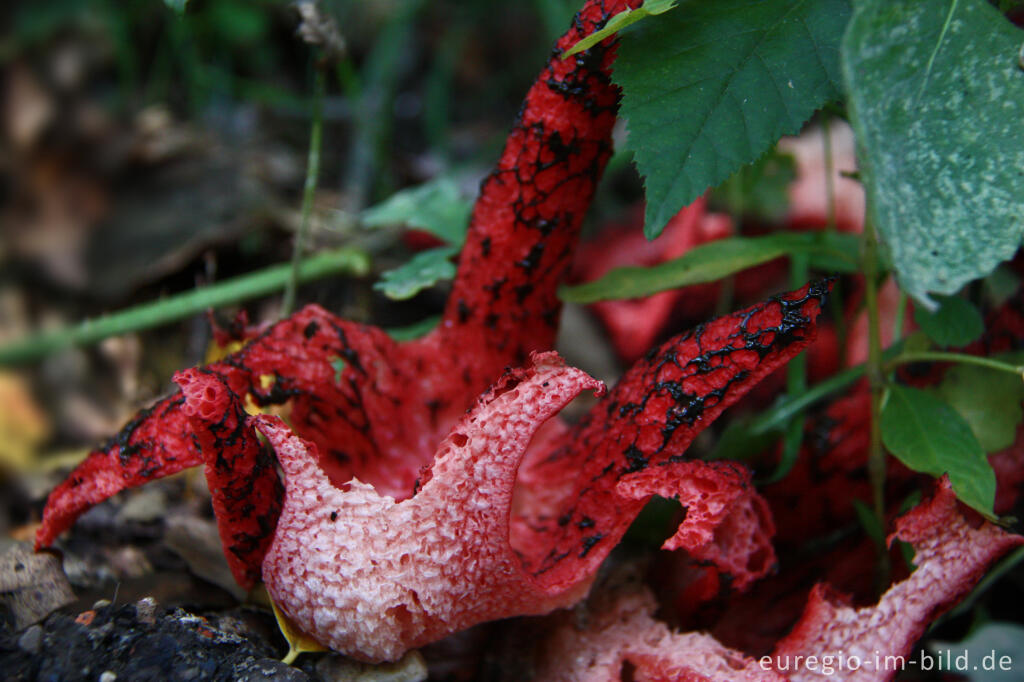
495, 287
635, 457
589, 542
532, 259
523, 291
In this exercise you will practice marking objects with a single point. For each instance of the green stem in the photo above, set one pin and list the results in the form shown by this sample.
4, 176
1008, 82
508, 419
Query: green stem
791, 407
876, 379
901, 316
149, 315
963, 359
838, 318
373, 121
309, 191
796, 382
726, 294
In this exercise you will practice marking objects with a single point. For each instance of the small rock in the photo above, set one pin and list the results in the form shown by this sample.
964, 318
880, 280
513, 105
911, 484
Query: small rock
145, 610
145, 506
31, 639
128, 562
117, 645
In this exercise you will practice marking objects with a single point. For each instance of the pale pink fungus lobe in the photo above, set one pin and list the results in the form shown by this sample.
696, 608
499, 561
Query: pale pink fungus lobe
951, 555
372, 577
623, 636
621, 640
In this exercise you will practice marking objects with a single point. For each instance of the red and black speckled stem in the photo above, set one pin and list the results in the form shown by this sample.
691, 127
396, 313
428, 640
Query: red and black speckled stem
526, 222
648, 420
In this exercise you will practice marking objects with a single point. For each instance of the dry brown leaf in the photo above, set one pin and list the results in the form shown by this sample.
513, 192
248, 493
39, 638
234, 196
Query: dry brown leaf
32, 586
197, 542
23, 425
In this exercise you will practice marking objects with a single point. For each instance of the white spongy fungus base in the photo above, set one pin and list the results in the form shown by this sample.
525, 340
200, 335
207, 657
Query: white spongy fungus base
373, 578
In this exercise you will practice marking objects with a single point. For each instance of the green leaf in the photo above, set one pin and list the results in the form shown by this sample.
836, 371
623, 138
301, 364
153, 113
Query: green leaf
956, 322
759, 189
414, 330
791, 442
424, 270
177, 5
437, 207
929, 436
338, 365
916, 342
936, 96
741, 440
870, 522
712, 261
1001, 285
620, 21
989, 400
713, 85
239, 23
653, 525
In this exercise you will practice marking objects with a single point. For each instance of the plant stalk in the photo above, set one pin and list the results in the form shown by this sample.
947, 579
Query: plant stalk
961, 358
901, 317
877, 383
157, 313
309, 189
791, 407
796, 382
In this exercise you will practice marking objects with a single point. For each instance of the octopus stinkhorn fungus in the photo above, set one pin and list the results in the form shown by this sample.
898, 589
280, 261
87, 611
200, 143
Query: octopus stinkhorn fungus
831, 639
374, 577
503, 306
401, 518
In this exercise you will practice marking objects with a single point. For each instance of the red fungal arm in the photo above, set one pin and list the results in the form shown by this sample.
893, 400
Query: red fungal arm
371, 577
951, 555
157, 443
727, 523
245, 490
645, 425
526, 221
345, 384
